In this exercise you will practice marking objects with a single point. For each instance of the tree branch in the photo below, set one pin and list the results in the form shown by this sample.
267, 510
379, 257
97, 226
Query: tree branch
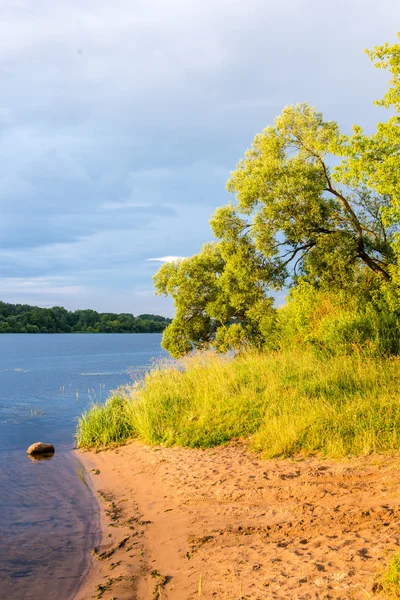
293, 253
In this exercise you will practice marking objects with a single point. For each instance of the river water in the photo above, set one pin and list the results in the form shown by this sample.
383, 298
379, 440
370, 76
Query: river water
48, 515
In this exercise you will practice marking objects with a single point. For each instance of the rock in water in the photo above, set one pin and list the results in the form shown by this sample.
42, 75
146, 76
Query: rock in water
41, 448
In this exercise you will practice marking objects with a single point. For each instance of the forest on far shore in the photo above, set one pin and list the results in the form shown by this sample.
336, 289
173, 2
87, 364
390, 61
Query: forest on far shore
22, 318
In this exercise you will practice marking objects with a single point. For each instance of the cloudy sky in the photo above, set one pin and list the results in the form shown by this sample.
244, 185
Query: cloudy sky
120, 122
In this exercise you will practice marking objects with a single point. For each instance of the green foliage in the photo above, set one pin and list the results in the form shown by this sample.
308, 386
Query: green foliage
302, 220
192, 283
337, 323
375, 160
288, 402
218, 290
21, 318
296, 219
390, 581
106, 425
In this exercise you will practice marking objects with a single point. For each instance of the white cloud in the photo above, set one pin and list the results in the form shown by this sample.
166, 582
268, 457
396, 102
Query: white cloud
118, 205
164, 259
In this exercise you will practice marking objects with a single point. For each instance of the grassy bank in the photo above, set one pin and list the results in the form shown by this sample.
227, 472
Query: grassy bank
287, 402
389, 582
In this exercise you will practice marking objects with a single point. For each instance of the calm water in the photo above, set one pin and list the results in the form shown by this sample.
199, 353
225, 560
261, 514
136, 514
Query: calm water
47, 512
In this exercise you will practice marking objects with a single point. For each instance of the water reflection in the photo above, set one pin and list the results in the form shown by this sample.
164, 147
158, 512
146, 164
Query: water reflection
35, 458
49, 504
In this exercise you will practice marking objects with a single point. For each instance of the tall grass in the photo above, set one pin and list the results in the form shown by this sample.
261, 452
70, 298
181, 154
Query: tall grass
390, 580
105, 425
286, 402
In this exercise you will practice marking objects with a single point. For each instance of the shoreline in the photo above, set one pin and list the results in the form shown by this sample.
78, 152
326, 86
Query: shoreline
97, 526
179, 524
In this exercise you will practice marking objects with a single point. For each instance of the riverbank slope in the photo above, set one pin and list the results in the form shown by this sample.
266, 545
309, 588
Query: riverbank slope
179, 524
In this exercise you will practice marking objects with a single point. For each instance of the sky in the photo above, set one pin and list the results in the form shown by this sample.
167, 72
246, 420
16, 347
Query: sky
121, 121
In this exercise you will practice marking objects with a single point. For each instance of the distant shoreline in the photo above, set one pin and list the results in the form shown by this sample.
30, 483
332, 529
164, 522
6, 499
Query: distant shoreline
79, 332
23, 318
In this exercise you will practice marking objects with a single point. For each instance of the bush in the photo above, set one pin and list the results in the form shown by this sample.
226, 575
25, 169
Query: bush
342, 322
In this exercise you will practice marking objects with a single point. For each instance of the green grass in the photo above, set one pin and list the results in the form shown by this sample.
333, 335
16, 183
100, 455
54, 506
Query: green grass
285, 402
105, 425
389, 583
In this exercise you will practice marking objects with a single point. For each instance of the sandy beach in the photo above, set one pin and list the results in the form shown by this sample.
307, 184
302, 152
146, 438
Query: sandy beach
181, 524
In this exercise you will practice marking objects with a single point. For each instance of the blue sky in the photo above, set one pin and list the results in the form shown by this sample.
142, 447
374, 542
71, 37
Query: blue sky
120, 122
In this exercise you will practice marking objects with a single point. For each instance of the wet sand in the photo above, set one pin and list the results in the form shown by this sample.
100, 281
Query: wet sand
180, 524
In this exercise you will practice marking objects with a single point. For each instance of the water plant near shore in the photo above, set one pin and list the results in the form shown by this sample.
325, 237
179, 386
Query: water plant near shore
285, 402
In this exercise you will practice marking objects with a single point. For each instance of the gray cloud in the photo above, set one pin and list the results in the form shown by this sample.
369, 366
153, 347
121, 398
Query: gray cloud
120, 122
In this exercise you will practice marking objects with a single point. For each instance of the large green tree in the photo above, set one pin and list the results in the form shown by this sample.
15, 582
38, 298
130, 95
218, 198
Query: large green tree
374, 161
310, 203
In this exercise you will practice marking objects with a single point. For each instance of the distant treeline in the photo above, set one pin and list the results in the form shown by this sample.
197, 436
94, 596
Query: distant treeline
22, 318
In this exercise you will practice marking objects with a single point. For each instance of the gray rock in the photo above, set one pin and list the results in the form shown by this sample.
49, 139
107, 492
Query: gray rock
41, 448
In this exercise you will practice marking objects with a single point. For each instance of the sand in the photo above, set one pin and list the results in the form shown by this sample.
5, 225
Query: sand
181, 524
